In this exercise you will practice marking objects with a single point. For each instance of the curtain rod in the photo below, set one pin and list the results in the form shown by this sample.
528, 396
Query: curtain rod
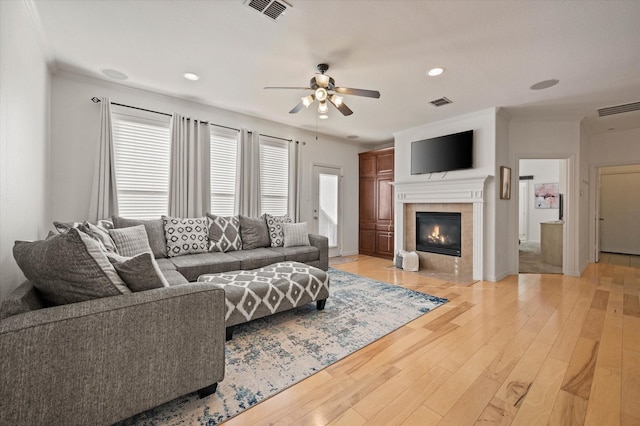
96, 100
275, 137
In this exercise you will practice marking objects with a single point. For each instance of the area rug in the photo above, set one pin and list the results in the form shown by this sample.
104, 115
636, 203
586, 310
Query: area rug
270, 354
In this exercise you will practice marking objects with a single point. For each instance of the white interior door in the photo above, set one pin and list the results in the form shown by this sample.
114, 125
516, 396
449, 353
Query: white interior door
619, 207
327, 209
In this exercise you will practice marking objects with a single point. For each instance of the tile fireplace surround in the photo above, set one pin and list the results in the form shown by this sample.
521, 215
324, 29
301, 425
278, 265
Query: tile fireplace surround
452, 195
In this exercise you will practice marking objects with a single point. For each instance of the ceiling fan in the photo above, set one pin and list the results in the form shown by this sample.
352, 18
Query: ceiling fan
324, 89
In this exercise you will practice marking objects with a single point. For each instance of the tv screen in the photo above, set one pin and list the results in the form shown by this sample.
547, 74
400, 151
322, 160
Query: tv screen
441, 154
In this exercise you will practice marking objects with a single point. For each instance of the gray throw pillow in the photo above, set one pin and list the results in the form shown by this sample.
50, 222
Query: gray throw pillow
295, 234
141, 273
68, 268
274, 223
224, 233
186, 235
131, 241
253, 232
99, 234
155, 232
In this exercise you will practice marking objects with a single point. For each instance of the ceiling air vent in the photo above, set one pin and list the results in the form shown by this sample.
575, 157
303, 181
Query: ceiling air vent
440, 102
619, 109
272, 9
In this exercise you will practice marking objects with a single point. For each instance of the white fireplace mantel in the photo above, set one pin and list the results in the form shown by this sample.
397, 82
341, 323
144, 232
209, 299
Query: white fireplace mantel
465, 190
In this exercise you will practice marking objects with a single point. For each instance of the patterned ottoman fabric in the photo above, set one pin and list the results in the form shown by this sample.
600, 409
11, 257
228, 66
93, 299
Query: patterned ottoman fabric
265, 291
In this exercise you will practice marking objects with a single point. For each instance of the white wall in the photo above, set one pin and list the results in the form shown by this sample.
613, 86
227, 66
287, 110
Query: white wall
543, 171
24, 120
74, 138
550, 139
483, 123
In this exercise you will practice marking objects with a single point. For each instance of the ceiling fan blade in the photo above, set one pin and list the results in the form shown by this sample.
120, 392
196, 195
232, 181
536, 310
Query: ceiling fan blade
357, 92
297, 108
345, 110
296, 88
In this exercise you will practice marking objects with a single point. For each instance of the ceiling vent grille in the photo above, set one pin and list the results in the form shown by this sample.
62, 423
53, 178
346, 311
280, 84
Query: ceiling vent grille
272, 9
619, 109
440, 102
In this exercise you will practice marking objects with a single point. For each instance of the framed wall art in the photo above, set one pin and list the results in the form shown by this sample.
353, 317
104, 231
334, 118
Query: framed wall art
546, 195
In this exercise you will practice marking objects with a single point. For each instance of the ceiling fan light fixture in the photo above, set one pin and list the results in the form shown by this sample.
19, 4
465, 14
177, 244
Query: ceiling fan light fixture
323, 108
307, 100
337, 100
322, 80
321, 94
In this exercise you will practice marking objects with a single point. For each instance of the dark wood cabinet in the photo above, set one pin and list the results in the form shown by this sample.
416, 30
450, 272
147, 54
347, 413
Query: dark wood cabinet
376, 237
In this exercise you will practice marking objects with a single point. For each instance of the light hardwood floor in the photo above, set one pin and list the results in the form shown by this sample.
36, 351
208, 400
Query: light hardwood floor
528, 350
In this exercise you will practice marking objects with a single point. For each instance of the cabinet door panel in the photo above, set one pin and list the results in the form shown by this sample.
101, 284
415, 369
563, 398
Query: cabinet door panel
385, 200
367, 200
384, 243
384, 163
367, 165
367, 242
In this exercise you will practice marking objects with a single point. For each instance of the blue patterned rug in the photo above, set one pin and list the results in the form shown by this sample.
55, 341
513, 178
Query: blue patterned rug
270, 354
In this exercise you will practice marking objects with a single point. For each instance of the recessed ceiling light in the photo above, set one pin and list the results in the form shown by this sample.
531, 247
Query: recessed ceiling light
544, 84
323, 116
611, 128
191, 76
117, 75
353, 137
435, 71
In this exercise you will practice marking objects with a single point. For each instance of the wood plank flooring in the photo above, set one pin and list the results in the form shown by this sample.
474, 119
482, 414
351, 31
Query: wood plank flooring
529, 350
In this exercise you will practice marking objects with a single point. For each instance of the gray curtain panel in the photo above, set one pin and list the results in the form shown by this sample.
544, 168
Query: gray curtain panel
104, 193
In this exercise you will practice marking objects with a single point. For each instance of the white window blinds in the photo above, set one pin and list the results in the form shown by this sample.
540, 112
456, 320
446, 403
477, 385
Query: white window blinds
274, 176
223, 164
142, 150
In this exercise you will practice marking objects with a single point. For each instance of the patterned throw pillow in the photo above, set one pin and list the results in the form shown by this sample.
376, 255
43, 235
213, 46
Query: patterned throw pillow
224, 233
186, 236
69, 267
131, 241
274, 223
296, 234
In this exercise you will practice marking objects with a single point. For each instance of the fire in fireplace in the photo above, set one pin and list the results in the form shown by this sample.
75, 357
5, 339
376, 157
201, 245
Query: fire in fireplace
438, 232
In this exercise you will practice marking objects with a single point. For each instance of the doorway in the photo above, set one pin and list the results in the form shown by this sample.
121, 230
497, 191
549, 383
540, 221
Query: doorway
617, 206
540, 223
327, 208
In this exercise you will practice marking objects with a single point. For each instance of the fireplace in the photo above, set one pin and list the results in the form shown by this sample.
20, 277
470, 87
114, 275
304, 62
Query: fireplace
439, 232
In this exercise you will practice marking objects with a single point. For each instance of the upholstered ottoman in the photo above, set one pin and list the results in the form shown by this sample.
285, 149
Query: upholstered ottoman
260, 292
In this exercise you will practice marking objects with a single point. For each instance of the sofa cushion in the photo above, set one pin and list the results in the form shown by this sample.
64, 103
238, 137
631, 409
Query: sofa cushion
253, 232
301, 254
274, 223
256, 258
166, 265
224, 233
131, 241
155, 232
174, 277
295, 234
185, 235
141, 273
194, 265
68, 268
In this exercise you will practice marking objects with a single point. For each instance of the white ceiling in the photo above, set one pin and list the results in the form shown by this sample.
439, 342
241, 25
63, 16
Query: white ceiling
493, 51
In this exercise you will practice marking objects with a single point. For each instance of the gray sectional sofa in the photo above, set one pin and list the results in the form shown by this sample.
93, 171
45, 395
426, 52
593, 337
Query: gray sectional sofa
103, 360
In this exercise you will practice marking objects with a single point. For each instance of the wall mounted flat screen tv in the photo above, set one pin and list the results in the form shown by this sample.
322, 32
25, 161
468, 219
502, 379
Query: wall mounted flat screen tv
441, 154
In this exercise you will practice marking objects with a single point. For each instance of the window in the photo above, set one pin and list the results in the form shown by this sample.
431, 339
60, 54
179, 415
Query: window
274, 176
223, 161
142, 150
